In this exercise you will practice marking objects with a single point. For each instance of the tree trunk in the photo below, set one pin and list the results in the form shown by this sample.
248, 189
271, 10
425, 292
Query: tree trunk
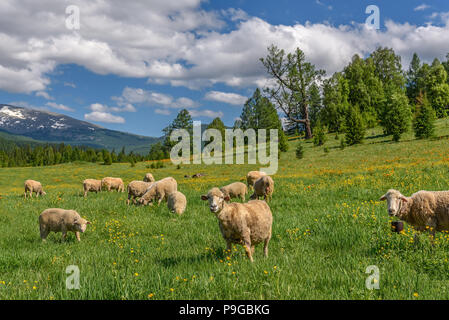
307, 123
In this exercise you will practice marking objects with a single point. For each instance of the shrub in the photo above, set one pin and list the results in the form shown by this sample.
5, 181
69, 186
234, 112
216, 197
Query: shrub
299, 151
424, 121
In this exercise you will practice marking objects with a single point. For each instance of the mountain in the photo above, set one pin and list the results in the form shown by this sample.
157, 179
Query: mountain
23, 124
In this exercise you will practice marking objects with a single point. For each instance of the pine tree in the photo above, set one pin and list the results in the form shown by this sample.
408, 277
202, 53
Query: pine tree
299, 151
397, 114
354, 126
424, 121
319, 134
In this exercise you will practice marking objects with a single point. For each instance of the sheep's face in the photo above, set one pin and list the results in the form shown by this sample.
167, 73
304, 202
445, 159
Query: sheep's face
81, 224
394, 199
43, 193
216, 200
143, 201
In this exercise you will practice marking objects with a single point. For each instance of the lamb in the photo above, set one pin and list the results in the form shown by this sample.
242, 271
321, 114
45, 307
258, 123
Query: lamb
160, 190
91, 185
109, 184
177, 202
136, 189
263, 187
423, 210
245, 223
235, 190
149, 178
60, 220
34, 186
253, 176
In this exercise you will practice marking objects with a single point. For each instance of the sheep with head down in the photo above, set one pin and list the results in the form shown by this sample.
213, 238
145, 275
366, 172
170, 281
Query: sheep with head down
177, 202
424, 210
159, 190
235, 190
60, 220
137, 189
245, 223
91, 185
34, 186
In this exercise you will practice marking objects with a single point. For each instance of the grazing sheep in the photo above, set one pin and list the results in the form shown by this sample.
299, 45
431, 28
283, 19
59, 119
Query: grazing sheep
423, 210
263, 187
159, 190
235, 190
253, 176
91, 185
136, 189
34, 186
149, 178
109, 184
177, 202
245, 223
60, 220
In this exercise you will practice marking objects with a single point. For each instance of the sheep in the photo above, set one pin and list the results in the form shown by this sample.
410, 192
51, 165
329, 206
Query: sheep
109, 184
245, 223
177, 202
235, 190
91, 185
136, 189
253, 176
263, 187
60, 220
423, 210
149, 178
160, 190
34, 186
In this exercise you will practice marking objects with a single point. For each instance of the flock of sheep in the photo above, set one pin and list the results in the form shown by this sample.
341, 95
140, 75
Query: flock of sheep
243, 223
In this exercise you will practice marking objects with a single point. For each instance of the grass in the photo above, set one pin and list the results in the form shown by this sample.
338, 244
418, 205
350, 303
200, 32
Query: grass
328, 228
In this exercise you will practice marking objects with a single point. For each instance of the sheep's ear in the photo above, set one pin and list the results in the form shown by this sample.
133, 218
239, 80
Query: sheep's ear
203, 197
227, 198
403, 199
383, 198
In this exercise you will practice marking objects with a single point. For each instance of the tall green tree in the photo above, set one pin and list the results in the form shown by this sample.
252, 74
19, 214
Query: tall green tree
354, 127
437, 88
293, 77
335, 102
182, 121
397, 115
412, 78
424, 120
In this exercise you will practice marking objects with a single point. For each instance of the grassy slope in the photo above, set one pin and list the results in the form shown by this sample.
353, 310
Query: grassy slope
328, 227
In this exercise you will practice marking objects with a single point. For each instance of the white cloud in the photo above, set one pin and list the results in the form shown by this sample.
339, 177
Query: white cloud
164, 112
226, 97
206, 113
421, 7
44, 95
99, 116
176, 42
59, 106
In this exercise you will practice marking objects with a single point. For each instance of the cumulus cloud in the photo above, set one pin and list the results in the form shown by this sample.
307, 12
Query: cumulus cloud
106, 117
226, 97
176, 42
59, 106
161, 101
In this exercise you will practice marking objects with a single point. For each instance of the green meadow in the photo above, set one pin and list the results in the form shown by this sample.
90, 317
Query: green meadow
328, 227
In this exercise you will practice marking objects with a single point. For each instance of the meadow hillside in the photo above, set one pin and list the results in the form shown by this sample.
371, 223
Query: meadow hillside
328, 228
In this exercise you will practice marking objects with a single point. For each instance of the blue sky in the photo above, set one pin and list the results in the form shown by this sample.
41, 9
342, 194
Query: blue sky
132, 66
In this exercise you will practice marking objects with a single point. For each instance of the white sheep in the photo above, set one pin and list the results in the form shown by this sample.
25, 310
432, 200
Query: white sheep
263, 187
159, 190
235, 190
110, 183
137, 189
34, 186
60, 220
91, 185
244, 223
424, 210
253, 176
177, 202
149, 178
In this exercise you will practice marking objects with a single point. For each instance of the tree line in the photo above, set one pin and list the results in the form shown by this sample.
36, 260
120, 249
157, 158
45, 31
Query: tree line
13, 154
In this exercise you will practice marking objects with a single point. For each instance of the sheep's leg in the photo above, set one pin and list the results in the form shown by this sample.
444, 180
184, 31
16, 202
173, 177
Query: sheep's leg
25, 194
248, 251
247, 244
253, 249
64, 235
127, 201
77, 234
265, 247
